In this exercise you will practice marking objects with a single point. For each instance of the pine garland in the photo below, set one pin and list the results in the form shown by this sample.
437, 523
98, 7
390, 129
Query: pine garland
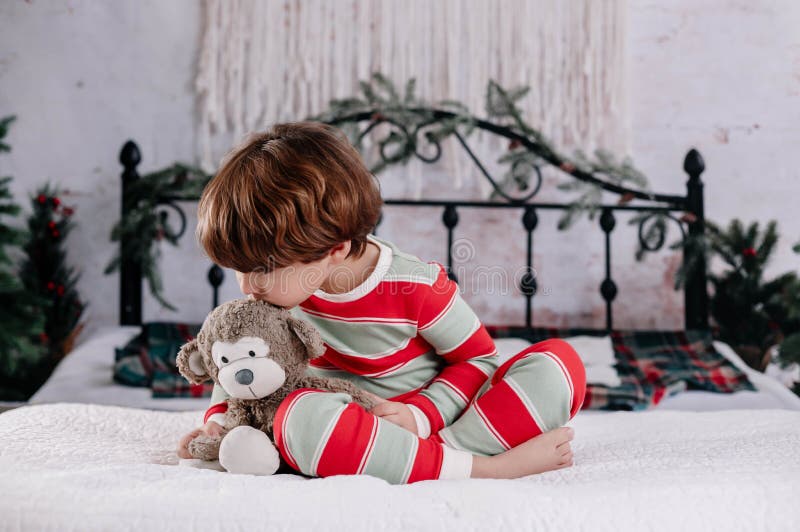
411, 114
144, 226
501, 105
45, 272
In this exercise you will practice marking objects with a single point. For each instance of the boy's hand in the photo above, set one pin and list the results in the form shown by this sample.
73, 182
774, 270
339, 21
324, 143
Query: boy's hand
397, 413
210, 429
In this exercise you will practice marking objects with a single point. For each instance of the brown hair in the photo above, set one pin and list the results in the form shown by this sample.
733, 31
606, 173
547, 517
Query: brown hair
287, 195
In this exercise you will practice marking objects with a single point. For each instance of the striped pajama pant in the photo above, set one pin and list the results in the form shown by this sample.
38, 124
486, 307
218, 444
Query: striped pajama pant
322, 434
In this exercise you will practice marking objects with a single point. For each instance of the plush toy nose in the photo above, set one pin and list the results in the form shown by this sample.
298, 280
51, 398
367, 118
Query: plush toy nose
244, 376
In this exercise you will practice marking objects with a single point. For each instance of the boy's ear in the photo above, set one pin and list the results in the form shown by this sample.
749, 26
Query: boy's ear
190, 363
308, 335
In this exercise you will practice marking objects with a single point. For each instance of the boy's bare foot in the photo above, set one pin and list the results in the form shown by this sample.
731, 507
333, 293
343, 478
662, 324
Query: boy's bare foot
545, 452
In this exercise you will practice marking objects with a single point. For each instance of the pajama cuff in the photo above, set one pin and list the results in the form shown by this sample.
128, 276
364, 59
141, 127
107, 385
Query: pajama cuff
216, 412
219, 419
428, 409
423, 425
456, 465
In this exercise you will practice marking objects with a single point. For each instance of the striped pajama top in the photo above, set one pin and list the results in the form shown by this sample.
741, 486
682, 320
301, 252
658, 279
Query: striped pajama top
404, 334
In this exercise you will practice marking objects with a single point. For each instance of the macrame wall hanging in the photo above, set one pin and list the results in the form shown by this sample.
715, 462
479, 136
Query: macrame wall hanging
265, 61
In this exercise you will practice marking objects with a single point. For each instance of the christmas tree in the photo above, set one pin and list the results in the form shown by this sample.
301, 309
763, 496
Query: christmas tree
21, 350
752, 313
45, 273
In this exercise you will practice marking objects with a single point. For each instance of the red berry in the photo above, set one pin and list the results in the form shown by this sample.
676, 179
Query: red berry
749, 252
51, 286
51, 224
43, 338
42, 199
55, 234
67, 211
60, 290
56, 202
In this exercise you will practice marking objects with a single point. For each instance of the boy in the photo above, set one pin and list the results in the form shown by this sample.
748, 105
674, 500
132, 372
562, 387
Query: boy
291, 212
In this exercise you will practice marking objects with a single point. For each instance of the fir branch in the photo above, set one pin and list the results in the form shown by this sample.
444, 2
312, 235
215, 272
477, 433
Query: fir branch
747, 309
407, 117
790, 350
141, 230
4, 126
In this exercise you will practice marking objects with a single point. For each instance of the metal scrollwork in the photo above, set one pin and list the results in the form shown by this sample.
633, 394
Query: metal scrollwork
407, 142
497, 188
537, 171
652, 231
432, 141
164, 219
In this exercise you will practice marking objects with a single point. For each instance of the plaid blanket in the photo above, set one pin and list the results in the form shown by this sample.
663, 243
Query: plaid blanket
651, 365
148, 360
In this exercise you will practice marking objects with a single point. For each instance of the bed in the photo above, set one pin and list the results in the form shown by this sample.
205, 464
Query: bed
89, 454
86, 377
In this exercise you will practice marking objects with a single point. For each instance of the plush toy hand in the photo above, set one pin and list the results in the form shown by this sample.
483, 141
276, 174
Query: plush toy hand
209, 432
397, 413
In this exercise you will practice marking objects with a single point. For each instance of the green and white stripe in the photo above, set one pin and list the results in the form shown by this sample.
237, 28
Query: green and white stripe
306, 441
539, 380
409, 376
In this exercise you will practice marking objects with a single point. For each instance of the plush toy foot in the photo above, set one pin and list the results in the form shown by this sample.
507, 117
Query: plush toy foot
248, 451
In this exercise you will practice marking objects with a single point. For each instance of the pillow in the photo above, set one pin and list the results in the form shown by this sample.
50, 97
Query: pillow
593, 350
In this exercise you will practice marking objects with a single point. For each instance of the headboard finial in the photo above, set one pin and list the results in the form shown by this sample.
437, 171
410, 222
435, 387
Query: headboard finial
693, 164
130, 156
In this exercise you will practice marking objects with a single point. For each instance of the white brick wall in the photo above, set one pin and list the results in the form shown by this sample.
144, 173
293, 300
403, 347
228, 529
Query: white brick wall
720, 75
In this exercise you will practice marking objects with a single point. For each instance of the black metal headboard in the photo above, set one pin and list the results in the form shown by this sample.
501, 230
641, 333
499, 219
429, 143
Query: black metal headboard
695, 287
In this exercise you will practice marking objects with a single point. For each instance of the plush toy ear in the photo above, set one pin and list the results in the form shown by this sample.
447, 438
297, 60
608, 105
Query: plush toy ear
190, 363
308, 335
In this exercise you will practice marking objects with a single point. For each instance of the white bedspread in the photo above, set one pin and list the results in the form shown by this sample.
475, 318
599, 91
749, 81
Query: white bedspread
87, 467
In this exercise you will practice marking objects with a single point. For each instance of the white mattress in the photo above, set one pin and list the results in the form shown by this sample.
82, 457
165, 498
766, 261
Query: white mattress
85, 376
88, 467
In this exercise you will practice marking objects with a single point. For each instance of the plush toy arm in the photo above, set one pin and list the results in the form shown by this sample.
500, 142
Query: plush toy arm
308, 335
365, 399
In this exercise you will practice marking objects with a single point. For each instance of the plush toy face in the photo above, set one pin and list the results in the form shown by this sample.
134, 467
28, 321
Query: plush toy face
250, 348
245, 370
